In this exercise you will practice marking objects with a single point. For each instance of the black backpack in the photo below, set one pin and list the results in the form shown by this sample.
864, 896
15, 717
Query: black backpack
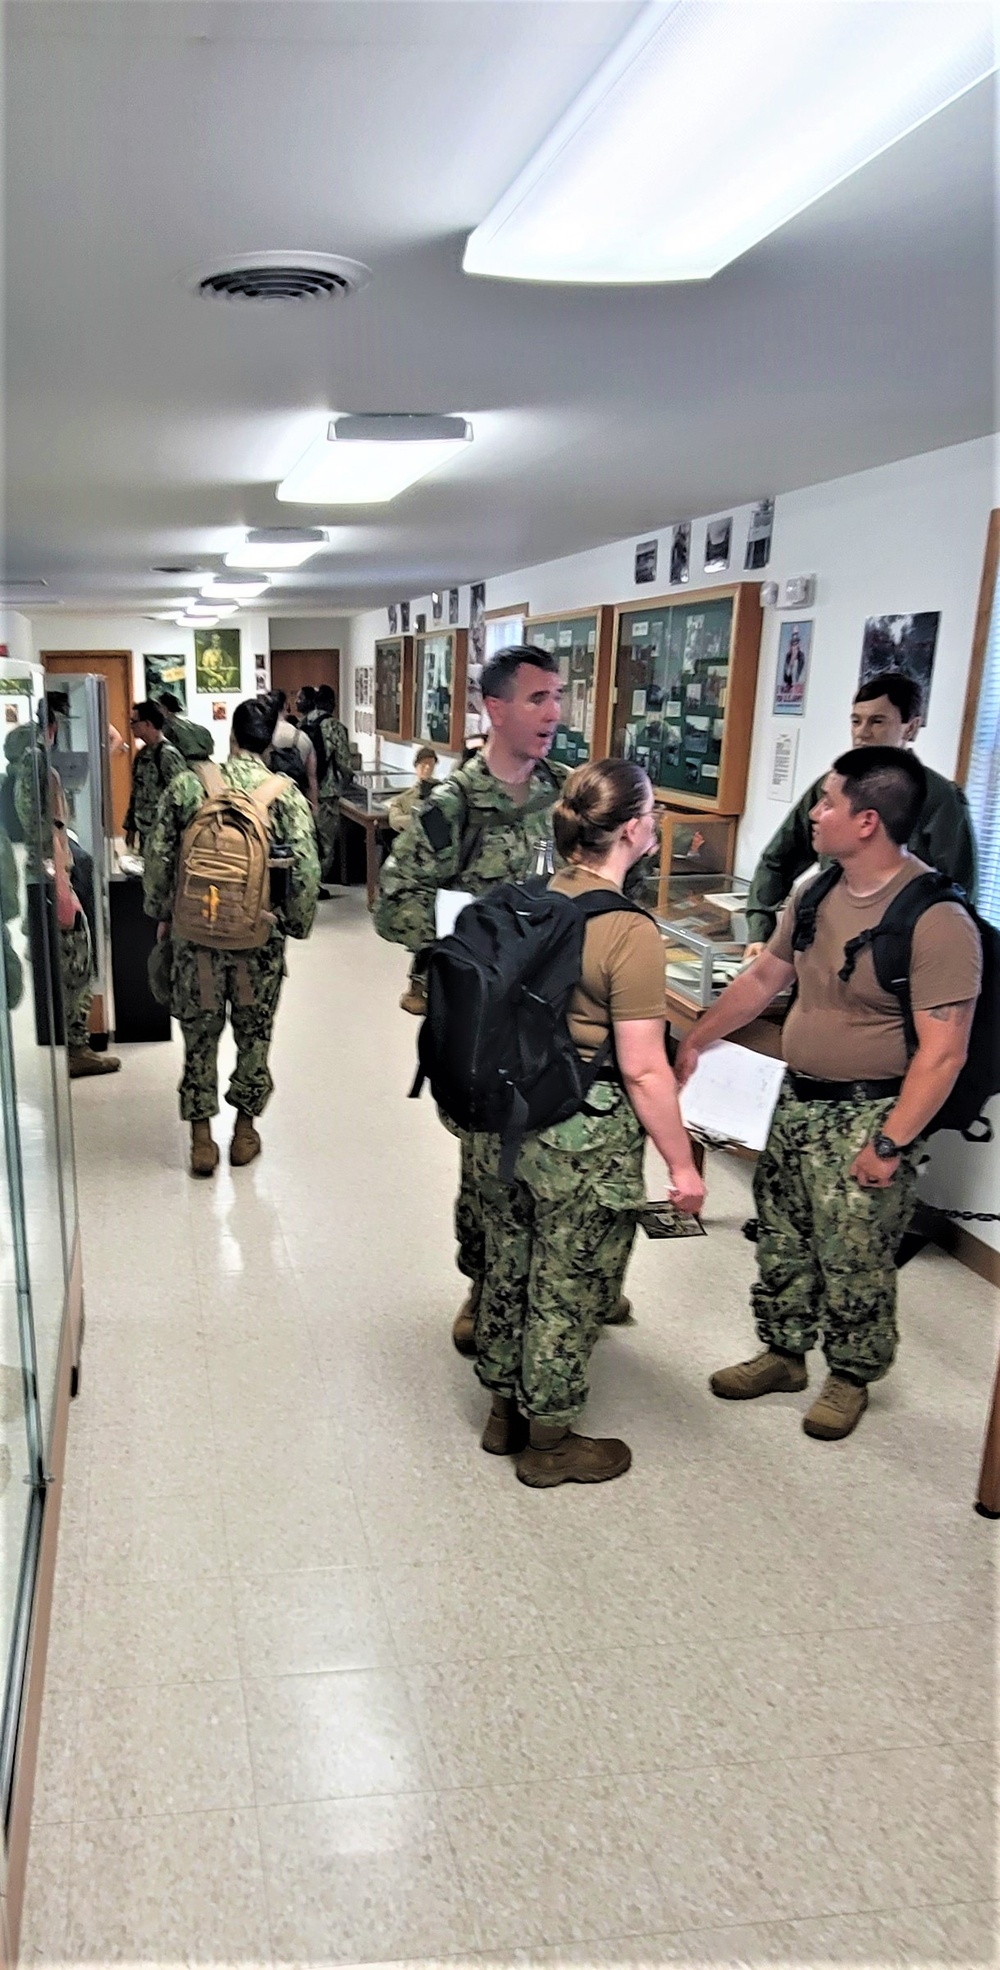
10, 819
495, 1045
289, 761
891, 942
313, 729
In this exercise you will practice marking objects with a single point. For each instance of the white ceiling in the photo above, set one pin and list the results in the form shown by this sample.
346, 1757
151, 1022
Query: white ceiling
142, 425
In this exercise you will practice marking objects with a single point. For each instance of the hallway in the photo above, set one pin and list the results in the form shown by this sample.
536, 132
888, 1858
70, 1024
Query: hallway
326, 1684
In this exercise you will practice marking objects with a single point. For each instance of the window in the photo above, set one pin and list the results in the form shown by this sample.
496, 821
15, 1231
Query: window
979, 752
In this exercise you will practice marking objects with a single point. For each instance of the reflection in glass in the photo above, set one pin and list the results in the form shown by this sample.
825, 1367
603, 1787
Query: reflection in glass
573, 640
672, 682
435, 659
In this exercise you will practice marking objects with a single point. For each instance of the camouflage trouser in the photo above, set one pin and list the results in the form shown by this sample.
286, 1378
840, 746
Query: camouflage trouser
76, 965
469, 1230
327, 836
826, 1246
557, 1243
202, 1026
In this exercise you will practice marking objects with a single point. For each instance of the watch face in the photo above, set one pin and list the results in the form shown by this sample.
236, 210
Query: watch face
885, 1147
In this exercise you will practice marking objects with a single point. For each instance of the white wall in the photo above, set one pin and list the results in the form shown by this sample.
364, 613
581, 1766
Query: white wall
159, 639
309, 632
15, 632
902, 538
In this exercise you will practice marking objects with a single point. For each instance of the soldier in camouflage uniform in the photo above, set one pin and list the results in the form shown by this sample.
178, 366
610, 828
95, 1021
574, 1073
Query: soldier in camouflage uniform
835, 1183
333, 749
558, 1238
152, 770
194, 742
482, 826
41, 810
206, 984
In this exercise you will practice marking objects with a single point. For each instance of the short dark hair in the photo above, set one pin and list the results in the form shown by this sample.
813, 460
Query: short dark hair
305, 699
326, 697
270, 704
499, 673
171, 703
902, 691
890, 781
253, 725
150, 713
424, 752
57, 705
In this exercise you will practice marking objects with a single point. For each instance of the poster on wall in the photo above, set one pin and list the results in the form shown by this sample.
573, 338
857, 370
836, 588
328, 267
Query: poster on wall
216, 661
680, 553
903, 643
437, 604
758, 551
166, 674
718, 540
453, 606
792, 674
646, 556
784, 754
404, 617
393, 615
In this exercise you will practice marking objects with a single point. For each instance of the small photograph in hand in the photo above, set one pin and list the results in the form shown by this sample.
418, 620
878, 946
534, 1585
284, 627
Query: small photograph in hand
664, 1220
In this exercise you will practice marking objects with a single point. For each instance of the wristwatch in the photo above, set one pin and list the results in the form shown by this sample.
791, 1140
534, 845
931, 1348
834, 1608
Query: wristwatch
885, 1149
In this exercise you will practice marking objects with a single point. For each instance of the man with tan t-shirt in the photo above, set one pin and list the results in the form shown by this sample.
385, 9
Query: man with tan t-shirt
834, 1186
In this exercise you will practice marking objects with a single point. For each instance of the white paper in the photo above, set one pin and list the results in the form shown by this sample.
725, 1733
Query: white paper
732, 1093
448, 907
783, 758
638, 704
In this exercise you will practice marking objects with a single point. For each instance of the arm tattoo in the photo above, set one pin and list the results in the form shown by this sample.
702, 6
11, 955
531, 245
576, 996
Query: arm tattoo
949, 1013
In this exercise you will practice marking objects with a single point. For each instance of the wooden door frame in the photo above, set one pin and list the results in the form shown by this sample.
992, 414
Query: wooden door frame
980, 639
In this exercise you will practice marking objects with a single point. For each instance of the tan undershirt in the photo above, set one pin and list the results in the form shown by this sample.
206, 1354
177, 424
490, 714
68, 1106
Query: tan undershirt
854, 1031
623, 975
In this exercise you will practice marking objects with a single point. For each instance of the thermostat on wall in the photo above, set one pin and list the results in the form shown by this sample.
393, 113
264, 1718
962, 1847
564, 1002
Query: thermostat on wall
799, 592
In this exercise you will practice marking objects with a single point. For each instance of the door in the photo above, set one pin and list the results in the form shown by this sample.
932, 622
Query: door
291, 669
115, 666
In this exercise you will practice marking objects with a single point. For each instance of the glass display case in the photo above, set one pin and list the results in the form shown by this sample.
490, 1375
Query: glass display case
439, 688
81, 757
40, 1292
685, 679
394, 687
373, 790
703, 922
582, 643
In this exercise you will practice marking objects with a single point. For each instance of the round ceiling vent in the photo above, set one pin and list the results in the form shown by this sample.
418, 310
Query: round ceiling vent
281, 277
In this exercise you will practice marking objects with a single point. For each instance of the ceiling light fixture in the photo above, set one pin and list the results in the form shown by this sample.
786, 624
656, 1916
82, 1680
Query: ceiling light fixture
277, 547
715, 122
367, 459
243, 587
197, 622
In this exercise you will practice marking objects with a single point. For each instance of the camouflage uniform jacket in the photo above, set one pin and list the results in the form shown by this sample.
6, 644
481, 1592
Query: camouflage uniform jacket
469, 835
33, 792
191, 740
291, 822
336, 744
152, 769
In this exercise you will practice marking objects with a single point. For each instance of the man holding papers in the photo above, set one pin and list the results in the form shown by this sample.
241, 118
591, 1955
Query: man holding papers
834, 1185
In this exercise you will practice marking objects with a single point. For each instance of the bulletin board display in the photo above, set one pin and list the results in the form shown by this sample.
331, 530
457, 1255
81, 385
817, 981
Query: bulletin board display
394, 687
439, 665
685, 681
582, 642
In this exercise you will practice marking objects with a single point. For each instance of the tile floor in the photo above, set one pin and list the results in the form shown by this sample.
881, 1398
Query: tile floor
328, 1686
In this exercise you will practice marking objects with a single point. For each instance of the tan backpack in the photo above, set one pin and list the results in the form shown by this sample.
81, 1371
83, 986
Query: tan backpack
223, 879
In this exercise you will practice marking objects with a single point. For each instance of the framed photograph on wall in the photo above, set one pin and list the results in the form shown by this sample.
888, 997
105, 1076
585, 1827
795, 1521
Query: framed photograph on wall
792, 673
718, 540
216, 661
904, 643
166, 674
680, 553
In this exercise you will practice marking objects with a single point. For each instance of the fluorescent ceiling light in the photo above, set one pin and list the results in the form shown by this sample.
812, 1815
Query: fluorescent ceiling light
365, 460
277, 547
715, 122
243, 587
201, 609
198, 622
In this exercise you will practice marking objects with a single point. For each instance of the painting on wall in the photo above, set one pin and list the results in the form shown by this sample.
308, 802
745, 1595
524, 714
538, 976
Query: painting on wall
216, 661
166, 674
792, 675
903, 643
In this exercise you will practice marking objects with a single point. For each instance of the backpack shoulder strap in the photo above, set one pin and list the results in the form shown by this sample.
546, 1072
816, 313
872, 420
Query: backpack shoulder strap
211, 778
264, 796
891, 940
807, 905
601, 903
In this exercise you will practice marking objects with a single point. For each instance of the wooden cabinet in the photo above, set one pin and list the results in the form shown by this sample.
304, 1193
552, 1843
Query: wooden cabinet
439, 688
685, 682
582, 640
394, 687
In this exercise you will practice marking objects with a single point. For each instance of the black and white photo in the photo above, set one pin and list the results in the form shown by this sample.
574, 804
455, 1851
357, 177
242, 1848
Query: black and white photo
718, 540
680, 553
758, 551
903, 643
646, 556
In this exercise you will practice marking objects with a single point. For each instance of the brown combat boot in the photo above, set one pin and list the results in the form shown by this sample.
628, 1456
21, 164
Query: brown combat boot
556, 1455
837, 1410
463, 1332
83, 1061
245, 1144
414, 998
506, 1430
620, 1315
204, 1150
768, 1373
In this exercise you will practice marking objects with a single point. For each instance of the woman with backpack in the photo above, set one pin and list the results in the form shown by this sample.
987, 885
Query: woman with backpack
558, 1237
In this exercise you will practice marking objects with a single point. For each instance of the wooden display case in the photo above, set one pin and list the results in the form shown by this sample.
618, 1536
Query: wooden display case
439, 687
582, 639
691, 845
685, 681
394, 687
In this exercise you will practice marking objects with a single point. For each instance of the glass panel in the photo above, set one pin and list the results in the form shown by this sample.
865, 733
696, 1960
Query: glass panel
389, 687
20, 1452
434, 683
672, 676
574, 641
